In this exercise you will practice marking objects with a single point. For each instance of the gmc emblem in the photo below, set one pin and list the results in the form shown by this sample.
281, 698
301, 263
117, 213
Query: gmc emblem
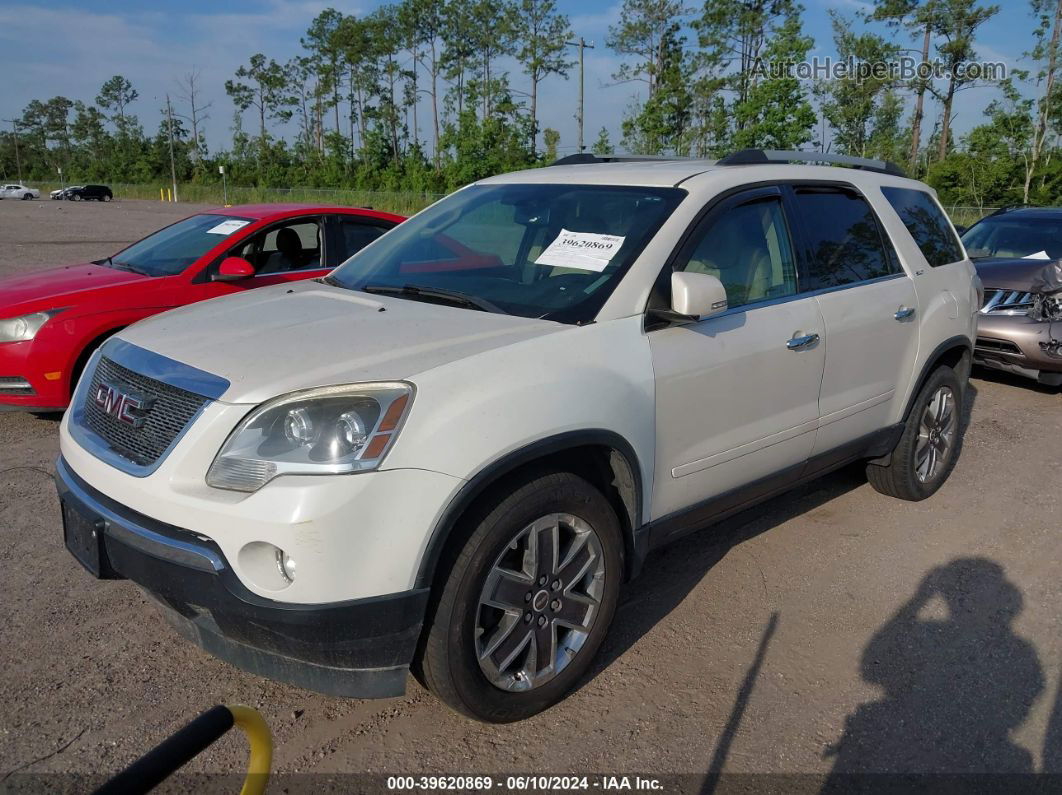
128, 407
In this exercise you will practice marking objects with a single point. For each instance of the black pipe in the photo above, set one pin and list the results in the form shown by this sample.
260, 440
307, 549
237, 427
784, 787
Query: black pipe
152, 768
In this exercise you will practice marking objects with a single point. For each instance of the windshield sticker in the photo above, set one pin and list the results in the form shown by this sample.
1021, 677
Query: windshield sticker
227, 227
583, 250
1037, 255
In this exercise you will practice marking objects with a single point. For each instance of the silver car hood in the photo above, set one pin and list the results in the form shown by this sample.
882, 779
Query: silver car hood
271, 341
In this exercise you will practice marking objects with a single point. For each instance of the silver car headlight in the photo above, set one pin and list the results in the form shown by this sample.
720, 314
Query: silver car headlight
24, 327
326, 431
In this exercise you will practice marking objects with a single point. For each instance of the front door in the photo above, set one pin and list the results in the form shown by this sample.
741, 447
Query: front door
737, 394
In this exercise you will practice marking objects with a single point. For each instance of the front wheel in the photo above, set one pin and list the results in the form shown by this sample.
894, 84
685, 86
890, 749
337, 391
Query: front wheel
527, 602
930, 443
106, 197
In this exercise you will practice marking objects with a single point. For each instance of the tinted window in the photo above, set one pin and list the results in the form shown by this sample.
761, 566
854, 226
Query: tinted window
843, 239
1008, 235
926, 223
354, 235
537, 250
748, 249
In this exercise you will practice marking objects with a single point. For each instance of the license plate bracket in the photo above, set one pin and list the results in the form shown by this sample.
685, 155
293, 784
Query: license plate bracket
83, 535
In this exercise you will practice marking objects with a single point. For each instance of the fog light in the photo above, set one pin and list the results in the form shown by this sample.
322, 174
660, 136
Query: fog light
286, 564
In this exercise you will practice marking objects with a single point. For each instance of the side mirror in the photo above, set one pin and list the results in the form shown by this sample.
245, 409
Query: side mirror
697, 295
232, 269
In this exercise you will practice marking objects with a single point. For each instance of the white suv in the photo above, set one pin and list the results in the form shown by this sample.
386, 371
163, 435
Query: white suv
451, 453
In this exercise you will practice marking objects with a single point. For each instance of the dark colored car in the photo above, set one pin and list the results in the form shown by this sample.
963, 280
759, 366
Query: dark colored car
100, 193
1017, 332
52, 320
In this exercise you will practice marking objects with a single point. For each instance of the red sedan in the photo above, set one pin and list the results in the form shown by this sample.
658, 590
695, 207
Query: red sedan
51, 321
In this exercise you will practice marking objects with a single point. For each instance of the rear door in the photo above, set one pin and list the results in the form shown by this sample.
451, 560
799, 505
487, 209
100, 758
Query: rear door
349, 234
869, 309
737, 394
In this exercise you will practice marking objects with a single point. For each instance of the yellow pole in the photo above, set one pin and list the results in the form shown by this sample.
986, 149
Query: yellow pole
169, 195
253, 725
161, 196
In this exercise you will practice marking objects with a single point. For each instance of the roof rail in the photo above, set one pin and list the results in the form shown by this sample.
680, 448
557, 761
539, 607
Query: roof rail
748, 157
586, 157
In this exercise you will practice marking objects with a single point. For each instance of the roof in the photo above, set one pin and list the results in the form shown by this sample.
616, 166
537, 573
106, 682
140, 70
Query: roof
266, 211
654, 173
1053, 213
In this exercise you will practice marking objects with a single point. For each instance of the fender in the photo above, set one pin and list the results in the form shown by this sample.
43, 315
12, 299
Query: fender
636, 542
931, 363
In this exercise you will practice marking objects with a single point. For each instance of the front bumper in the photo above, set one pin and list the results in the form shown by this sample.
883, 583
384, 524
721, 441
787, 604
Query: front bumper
359, 648
40, 372
1012, 343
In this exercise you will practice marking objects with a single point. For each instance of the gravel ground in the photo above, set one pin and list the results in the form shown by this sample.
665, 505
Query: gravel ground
830, 629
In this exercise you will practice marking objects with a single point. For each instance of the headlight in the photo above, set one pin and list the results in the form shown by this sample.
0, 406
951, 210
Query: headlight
21, 329
327, 431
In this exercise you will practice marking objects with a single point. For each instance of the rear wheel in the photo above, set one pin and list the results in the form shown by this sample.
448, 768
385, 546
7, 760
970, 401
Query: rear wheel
527, 602
106, 197
930, 444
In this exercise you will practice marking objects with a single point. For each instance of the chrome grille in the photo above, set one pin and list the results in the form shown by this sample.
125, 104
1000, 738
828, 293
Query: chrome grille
1007, 302
171, 411
15, 385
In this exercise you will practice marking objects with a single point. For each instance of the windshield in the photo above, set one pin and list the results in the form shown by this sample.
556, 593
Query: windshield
545, 251
169, 251
1030, 238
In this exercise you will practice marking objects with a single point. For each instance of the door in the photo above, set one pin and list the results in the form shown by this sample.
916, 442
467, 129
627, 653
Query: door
869, 309
737, 394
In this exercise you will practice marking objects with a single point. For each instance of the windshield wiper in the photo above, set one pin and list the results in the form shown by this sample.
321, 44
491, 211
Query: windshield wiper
125, 266
452, 297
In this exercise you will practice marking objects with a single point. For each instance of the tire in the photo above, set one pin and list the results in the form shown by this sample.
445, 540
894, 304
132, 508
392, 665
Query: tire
76, 197
106, 197
27, 196
462, 628
930, 444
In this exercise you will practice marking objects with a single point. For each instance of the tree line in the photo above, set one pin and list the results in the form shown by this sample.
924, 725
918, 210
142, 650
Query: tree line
422, 96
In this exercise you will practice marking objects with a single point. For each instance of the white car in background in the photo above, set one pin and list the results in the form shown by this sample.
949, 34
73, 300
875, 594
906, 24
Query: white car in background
16, 190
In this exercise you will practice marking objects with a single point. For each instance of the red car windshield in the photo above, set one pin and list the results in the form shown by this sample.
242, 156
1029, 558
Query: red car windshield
169, 251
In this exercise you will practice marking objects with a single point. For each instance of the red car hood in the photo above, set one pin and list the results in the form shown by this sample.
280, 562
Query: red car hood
53, 284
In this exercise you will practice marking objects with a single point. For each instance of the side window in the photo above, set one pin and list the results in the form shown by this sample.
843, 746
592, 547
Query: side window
843, 239
930, 229
293, 246
354, 235
748, 249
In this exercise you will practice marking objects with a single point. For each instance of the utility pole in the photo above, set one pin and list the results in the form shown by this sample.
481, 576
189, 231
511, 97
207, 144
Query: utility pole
582, 45
18, 160
173, 166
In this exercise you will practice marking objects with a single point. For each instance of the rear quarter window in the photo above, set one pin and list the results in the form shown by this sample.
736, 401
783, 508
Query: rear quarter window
931, 230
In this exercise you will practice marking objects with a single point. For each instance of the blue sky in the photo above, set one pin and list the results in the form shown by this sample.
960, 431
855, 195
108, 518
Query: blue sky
56, 47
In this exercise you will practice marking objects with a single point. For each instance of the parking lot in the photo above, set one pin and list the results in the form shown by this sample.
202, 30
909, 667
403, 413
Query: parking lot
932, 631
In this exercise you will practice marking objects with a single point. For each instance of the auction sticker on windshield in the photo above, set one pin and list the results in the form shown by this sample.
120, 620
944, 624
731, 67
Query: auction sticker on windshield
583, 250
227, 227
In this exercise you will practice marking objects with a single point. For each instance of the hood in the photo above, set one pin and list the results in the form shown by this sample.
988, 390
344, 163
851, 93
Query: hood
53, 285
1009, 274
275, 340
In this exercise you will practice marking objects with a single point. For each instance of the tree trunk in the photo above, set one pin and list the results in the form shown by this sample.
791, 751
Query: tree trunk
534, 111
945, 119
435, 105
919, 110
335, 93
1045, 105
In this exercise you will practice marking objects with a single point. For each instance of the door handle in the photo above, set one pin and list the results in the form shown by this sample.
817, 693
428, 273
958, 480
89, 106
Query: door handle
797, 343
904, 312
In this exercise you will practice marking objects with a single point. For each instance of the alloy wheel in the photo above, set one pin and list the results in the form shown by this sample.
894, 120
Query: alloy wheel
936, 434
539, 602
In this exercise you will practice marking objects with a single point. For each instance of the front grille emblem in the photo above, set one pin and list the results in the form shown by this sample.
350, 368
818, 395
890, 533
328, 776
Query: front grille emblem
124, 405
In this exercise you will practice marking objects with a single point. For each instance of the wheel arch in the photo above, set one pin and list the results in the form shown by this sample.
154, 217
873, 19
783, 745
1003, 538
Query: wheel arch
86, 353
604, 458
956, 352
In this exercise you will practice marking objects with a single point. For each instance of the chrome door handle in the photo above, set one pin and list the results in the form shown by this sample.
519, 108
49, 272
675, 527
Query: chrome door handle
904, 312
797, 343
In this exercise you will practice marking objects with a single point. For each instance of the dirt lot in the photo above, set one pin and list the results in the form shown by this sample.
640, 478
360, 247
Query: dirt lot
745, 649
